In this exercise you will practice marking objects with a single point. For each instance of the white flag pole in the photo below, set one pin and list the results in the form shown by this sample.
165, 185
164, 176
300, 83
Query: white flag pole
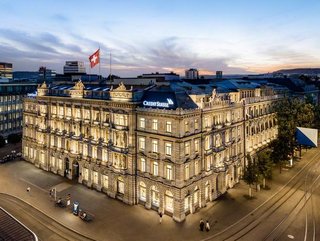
99, 62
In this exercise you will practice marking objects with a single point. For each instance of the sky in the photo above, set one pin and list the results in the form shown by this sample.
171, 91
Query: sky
144, 36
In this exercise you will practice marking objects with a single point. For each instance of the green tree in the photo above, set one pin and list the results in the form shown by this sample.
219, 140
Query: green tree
291, 113
2, 141
264, 165
281, 152
250, 175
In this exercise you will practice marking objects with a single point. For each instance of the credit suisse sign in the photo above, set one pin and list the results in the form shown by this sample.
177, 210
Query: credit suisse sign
158, 103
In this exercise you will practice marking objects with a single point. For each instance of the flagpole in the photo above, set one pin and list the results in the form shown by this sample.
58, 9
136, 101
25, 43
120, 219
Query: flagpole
110, 69
99, 62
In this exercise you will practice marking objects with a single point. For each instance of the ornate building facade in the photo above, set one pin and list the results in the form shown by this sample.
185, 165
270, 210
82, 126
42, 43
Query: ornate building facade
169, 148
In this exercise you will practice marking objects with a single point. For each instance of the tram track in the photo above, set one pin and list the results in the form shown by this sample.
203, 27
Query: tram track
257, 217
45, 227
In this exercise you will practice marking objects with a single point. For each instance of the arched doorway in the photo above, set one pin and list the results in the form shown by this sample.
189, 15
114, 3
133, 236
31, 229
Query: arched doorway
155, 199
66, 166
169, 201
75, 170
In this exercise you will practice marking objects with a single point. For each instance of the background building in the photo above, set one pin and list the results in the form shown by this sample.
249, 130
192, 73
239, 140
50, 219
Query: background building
11, 106
5, 71
192, 74
74, 68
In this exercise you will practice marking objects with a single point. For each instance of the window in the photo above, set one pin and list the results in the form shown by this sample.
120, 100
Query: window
143, 191
104, 155
155, 169
196, 124
154, 145
142, 164
196, 167
168, 150
85, 173
142, 123
197, 145
105, 181
169, 172
168, 126
186, 126
208, 162
94, 152
120, 185
142, 143
95, 177
155, 124
207, 143
85, 150
206, 122
187, 148
155, 199
186, 172
169, 201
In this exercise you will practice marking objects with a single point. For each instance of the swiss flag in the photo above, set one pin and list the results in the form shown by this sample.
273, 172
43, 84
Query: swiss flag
95, 58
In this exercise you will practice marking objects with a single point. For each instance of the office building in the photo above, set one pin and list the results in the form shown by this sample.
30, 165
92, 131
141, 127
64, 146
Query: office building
5, 71
171, 148
74, 68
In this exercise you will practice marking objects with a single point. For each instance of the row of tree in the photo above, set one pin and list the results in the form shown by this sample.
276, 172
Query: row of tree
291, 113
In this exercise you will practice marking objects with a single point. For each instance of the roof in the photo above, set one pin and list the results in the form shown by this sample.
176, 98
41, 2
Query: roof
11, 229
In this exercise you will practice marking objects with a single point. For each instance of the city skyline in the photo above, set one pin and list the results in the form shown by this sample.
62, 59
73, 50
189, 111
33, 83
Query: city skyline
246, 37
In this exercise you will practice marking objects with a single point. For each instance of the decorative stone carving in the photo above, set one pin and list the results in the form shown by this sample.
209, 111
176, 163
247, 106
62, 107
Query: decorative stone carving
78, 90
42, 89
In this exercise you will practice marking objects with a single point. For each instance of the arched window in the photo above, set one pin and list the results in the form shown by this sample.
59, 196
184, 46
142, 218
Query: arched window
143, 191
169, 201
155, 199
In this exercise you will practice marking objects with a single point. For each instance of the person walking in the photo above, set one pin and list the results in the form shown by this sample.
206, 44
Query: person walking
201, 225
160, 217
28, 189
207, 226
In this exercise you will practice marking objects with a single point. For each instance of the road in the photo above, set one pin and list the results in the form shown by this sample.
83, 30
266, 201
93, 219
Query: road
46, 228
291, 213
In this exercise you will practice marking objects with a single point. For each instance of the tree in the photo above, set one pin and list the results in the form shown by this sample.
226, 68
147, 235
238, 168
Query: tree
250, 175
264, 165
2, 141
291, 113
280, 151
14, 138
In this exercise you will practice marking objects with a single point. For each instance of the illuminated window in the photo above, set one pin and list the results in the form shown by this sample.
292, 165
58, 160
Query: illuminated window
168, 126
186, 126
155, 169
169, 172
187, 148
154, 145
197, 145
142, 143
196, 167
155, 124
186, 172
143, 164
169, 201
142, 123
105, 181
95, 177
168, 150
143, 191
196, 124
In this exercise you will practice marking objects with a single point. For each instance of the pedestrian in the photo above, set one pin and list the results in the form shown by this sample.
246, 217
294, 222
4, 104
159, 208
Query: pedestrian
28, 189
160, 217
201, 224
50, 192
207, 226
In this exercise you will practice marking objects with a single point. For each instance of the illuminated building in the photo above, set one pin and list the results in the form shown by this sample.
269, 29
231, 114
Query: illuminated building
171, 148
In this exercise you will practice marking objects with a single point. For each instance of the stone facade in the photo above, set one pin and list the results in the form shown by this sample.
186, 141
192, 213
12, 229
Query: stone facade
171, 160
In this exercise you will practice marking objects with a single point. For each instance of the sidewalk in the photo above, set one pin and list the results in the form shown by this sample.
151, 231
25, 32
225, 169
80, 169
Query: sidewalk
115, 220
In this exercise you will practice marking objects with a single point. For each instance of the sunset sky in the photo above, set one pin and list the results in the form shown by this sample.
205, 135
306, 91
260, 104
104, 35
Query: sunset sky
236, 36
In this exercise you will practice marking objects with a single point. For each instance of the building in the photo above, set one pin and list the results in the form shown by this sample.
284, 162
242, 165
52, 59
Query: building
74, 68
219, 74
6, 71
47, 75
171, 148
30, 76
162, 77
11, 99
192, 74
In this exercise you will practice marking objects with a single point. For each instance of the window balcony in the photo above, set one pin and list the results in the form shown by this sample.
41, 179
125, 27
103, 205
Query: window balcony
119, 127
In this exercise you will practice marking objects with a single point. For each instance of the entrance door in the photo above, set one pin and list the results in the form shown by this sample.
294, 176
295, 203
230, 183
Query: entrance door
66, 167
76, 170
